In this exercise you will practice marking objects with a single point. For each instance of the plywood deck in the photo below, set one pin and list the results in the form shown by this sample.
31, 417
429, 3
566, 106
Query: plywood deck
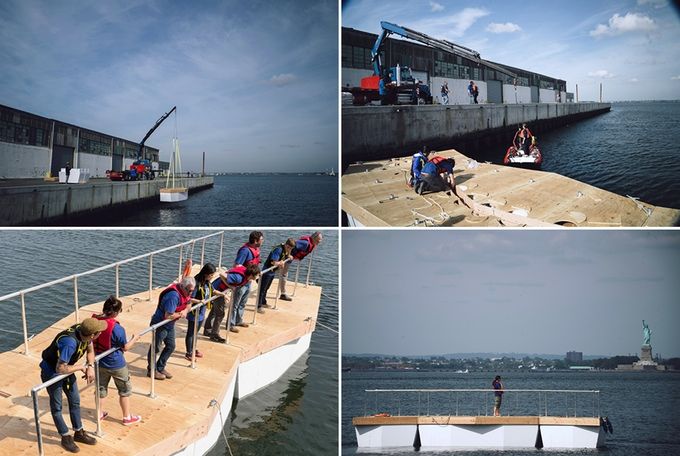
376, 194
474, 420
180, 413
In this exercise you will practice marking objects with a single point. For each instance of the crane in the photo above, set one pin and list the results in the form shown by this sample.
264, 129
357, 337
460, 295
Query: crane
158, 124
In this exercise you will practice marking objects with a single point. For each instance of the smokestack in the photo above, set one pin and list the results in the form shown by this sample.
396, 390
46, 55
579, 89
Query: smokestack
576, 93
203, 167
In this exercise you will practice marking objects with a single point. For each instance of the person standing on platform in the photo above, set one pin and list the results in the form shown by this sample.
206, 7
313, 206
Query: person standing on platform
202, 292
248, 254
233, 279
475, 92
445, 93
498, 395
113, 365
470, 88
276, 257
173, 304
303, 247
60, 358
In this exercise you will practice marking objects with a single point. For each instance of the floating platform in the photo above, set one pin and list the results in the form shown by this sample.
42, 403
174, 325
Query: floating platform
179, 420
488, 195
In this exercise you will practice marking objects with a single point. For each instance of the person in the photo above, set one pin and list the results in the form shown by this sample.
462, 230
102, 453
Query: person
445, 93
525, 139
498, 395
386, 89
431, 175
68, 170
60, 358
276, 258
475, 92
249, 253
417, 162
471, 90
202, 292
113, 365
235, 278
173, 304
303, 247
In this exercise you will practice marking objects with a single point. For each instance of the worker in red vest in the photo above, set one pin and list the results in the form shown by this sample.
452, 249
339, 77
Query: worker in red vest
303, 247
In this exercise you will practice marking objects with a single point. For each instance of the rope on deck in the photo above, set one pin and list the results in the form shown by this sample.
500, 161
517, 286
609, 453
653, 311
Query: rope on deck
215, 403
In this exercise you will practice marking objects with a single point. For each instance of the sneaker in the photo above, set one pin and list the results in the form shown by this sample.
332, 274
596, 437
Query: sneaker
218, 339
157, 375
260, 310
199, 354
187, 356
266, 306
242, 324
284, 297
82, 437
132, 420
103, 416
68, 444
167, 374
233, 329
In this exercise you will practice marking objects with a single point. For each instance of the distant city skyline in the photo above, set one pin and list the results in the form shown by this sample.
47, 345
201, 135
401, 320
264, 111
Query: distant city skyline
255, 84
630, 46
432, 292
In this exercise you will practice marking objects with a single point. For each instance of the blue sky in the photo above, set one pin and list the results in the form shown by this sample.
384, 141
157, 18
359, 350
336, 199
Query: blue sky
425, 292
632, 47
255, 83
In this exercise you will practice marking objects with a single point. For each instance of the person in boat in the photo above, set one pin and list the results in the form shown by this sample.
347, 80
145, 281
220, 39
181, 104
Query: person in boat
60, 358
248, 254
437, 175
202, 292
303, 247
235, 278
173, 304
523, 139
417, 162
114, 365
498, 395
276, 259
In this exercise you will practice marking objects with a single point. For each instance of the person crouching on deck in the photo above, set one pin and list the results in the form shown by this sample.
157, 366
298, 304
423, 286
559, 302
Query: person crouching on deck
303, 247
60, 358
432, 179
276, 259
173, 304
113, 365
202, 292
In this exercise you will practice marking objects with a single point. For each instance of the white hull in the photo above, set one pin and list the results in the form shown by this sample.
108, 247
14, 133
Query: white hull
173, 196
474, 436
386, 436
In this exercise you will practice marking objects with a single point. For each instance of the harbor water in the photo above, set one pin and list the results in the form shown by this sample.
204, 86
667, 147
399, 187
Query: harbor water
642, 406
295, 415
236, 200
632, 150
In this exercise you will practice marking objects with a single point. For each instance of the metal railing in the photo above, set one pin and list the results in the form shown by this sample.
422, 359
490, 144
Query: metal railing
152, 329
480, 402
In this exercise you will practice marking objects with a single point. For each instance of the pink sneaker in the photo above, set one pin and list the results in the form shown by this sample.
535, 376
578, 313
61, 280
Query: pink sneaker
103, 416
132, 420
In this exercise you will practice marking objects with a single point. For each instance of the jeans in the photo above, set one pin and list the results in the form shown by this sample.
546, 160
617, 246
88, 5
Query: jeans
445, 99
265, 282
164, 335
240, 299
69, 386
189, 339
434, 182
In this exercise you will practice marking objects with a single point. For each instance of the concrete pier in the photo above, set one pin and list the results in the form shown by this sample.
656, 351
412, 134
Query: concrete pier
34, 202
377, 132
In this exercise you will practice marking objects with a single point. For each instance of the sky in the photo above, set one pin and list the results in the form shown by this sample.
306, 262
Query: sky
631, 47
432, 292
255, 83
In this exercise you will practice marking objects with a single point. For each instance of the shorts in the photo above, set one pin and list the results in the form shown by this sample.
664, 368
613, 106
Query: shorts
121, 377
497, 401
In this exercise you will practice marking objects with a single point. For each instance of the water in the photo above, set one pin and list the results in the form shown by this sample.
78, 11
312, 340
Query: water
237, 200
643, 407
298, 414
632, 150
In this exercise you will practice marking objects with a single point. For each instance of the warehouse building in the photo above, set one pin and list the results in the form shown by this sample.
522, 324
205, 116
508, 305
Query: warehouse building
31, 146
434, 67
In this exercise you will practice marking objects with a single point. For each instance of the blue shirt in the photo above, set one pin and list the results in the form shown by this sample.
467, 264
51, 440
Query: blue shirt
417, 164
168, 305
67, 346
497, 385
196, 295
243, 256
300, 246
232, 279
115, 360
431, 168
274, 255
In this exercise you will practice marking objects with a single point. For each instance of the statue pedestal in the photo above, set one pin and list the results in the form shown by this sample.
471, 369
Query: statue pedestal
646, 353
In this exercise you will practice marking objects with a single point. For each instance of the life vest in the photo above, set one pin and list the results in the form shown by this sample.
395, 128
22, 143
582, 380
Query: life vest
310, 246
269, 263
103, 342
222, 285
51, 353
255, 252
183, 300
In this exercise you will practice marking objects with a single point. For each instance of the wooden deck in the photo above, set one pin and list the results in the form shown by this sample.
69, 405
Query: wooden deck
474, 420
376, 194
180, 413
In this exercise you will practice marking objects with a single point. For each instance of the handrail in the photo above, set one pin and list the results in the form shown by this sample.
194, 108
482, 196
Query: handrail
504, 390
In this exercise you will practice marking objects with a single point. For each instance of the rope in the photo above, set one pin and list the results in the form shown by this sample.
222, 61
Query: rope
214, 403
327, 327
328, 297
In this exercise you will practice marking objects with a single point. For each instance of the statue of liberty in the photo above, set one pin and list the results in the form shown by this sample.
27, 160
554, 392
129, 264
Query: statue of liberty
646, 334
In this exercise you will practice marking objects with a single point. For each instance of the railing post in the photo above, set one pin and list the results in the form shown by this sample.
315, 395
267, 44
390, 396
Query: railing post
195, 339
117, 280
38, 430
97, 400
179, 272
152, 366
150, 275
297, 275
75, 298
309, 269
229, 310
23, 322
221, 246
203, 252
278, 286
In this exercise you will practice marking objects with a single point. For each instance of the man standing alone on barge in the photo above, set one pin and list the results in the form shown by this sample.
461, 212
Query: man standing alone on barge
498, 386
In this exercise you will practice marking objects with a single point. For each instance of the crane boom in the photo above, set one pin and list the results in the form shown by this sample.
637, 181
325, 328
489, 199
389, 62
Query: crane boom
158, 124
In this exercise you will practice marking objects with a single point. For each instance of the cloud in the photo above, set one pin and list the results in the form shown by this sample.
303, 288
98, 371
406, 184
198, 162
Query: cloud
451, 26
284, 79
675, 78
655, 3
631, 22
633, 80
434, 7
508, 27
604, 74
